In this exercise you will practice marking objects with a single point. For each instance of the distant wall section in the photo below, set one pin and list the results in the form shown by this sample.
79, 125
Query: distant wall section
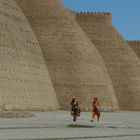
135, 45
122, 63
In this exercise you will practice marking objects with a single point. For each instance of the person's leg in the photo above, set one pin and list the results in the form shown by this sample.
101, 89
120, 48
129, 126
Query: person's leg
79, 112
74, 115
98, 116
93, 117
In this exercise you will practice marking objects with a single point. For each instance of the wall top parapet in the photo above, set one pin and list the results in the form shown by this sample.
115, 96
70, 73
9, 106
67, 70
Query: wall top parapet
133, 41
94, 13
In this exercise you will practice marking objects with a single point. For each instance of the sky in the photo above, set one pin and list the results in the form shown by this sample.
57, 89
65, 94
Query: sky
125, 13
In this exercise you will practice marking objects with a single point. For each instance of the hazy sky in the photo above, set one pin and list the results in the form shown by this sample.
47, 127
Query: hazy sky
125, 13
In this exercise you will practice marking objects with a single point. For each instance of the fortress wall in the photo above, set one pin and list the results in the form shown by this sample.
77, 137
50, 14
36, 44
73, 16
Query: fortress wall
96, 16
135, 45
75, 65
122, 63
24, 80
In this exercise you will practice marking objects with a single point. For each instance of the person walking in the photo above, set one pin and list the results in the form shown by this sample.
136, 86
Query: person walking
95, 110
75, 109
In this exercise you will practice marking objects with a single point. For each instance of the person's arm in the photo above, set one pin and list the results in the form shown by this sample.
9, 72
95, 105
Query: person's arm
98, 103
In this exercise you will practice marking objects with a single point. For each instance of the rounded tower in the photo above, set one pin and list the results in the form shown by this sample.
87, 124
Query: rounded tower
122, 63
24, 80
75, 65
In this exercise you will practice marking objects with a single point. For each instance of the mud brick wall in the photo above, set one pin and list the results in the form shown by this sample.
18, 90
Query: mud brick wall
24, 80
135, 45
122, 63
75, 65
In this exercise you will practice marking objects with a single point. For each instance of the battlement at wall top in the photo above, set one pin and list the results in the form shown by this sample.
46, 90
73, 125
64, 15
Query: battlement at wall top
133, 41
94, 13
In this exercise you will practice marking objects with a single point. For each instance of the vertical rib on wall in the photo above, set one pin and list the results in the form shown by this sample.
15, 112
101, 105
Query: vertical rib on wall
75, 66
24, 80
122, 63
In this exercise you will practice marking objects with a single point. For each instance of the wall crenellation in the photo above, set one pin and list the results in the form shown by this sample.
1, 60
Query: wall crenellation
95, 13
104, 17
133, 41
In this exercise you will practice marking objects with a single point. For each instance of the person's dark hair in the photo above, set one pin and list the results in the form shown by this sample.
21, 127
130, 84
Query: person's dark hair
73, 100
